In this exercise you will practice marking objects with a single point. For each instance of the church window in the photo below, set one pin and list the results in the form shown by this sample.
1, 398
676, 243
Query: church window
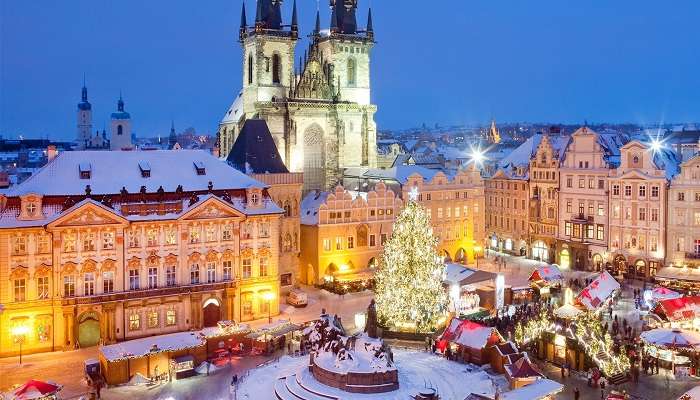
276, 68
250, 69
352, 72
120, 130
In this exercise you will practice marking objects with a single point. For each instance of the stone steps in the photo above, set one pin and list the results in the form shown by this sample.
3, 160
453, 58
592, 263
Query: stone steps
292, 388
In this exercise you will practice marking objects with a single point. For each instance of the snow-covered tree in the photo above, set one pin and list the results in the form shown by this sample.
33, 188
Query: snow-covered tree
409, 289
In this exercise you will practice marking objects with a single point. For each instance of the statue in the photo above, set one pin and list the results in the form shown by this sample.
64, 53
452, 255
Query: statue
371, 324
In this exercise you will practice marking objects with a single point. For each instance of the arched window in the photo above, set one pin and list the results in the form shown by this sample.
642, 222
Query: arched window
287, 209
352, 72
361, 236
276, 68
250, 69
119, 130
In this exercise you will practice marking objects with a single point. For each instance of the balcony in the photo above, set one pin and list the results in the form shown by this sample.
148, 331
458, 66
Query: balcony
144, 293
692, 256
173, 207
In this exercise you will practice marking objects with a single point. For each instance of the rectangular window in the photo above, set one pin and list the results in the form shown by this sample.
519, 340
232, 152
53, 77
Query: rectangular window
286, 279
616, 190
107, 240
567, 228
134, 283
134, 322
681, 196
427, 196
628, 213
590, 209
696, 218
642, 214
642, 191
581, 183
655, 214
69, 286
152, 237
210, 233
590, 231
194, 274
170, 275
134, 239
264, 264
326, 245
653, 243
152, 277
440, 212
601, 184
152, 319
351, 242
264, 229
600, 233
107, 282
601, 210
194, 234
227, 233
383, 239
448, 212
170, 236
42, 287
372, 212
247, 268
170, 318
20, 289
616, 211
89, 284
591, 183
211, 272
88, 241
68, 242
19, 245
338, 243
568, 206
372, 240
654, 191
569, 182
577, 231
43, 244
697, 196
228, 270
628, 190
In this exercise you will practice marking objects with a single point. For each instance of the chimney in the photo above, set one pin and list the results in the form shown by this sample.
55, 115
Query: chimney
51, 152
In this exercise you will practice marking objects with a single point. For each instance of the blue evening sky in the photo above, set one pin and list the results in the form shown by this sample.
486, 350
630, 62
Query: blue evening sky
445, 61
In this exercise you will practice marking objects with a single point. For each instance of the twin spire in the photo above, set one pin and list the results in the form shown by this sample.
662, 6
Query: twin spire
268, 17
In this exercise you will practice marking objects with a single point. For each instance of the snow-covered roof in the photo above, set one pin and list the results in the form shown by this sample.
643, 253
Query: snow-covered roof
547, 273
455, 273
469, 334
595, 294
520, 157
310, 205
235, 112
540, 389
141, 347
112, 170
667, 160
677, 273
692, 394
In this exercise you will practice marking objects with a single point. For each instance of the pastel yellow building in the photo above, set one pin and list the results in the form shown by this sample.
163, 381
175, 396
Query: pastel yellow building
99, 247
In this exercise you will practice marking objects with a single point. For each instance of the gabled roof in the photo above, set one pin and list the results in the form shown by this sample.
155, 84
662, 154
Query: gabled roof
255, 151
112, 170
523, 368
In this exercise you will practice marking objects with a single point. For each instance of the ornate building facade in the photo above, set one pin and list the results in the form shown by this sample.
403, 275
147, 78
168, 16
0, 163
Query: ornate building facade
683, 237
319, 113
99, 247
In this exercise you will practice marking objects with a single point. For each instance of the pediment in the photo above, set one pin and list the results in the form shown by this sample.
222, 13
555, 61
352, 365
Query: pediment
212, 208
635, 175
89, 213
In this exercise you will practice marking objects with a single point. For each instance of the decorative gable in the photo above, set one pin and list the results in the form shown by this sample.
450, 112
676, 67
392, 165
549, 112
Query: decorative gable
212, 208
31, 207
89, 213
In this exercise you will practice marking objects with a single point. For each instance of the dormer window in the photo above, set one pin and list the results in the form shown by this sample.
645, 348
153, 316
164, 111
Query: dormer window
635, 159
254, 199
145, 168
85, 170
199, 167
31, 209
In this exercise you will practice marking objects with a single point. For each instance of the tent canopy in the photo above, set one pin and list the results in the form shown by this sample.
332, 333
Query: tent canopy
34, 389
680, 309
677, 338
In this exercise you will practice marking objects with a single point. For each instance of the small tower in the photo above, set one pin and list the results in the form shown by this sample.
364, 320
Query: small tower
172, 139
84, 117
120, 128
494, 135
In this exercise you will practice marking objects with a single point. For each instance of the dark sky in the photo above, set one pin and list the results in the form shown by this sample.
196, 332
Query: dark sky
446, 61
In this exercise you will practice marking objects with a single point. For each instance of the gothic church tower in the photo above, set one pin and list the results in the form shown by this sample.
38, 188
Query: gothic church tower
84, 120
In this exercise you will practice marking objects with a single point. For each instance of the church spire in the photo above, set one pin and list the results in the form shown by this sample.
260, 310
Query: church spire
172, 139
334, 19
317, 29
244, 24
370, 28
295, 24
120, 103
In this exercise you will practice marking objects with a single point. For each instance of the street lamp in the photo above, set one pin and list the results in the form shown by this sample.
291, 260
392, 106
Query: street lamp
269, 296
20, 333
477, 249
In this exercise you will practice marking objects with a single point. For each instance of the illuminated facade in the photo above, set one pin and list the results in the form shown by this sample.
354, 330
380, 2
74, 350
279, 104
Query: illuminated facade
93, 253
319, 112
638, 210
683, 237
507, 208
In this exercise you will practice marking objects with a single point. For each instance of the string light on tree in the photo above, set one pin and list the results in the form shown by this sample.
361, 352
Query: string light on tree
409, 291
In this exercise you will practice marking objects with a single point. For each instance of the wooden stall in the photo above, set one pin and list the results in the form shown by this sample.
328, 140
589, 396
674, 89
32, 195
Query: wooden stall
469, 342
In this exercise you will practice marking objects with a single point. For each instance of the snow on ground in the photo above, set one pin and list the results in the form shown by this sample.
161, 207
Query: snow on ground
417, 370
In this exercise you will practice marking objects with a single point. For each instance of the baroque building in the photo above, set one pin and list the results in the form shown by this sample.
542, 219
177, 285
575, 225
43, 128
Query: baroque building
319, 112
637, 213
99, 247
683, 234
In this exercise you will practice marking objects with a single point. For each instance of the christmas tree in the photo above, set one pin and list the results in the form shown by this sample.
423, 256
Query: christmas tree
409, 291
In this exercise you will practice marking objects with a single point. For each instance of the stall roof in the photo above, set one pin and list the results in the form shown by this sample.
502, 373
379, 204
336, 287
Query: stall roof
681, 309
679, 273
523, 368
461, 275
275, 329
547, 273
540, 389
141, 347
598, 291
469, 334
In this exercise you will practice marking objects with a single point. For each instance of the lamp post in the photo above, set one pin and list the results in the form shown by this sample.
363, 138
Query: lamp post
269, 296
477, 249
20, 333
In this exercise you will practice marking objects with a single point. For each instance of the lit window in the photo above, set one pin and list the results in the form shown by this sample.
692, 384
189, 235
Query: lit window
42, 287
134, 279
152, 319
152, 237
170, 236
19, 246
108, 282
107, 240
20, 289
69, 286
351, 242
134, 322
211, 272
89, 284
326, 245
338, 243
264, 266
194, 234
170, 317
247, 268
194, 274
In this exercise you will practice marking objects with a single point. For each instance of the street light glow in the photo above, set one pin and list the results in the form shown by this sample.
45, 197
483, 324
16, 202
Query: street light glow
20, 330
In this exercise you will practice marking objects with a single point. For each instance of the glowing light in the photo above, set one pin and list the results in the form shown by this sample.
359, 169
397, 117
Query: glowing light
360, 320
413, 194
269, 296
477, 156
20, 330
344, 268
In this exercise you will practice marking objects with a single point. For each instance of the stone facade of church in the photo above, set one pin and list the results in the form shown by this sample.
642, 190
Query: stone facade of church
318, 110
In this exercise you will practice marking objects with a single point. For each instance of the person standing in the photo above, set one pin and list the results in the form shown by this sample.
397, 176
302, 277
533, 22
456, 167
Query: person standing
577, 394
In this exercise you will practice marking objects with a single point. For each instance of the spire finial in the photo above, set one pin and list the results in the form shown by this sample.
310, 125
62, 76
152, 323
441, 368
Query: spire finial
370, 28
317, 29
295, 25
120, 103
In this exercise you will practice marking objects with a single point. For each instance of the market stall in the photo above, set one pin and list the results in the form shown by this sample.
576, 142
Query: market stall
504, 354
158, 357
671, 346
469, 342
277, 335
225, 339
682, 312
599, 292
545, 277
468, 289
683, 279
35, 390
522, 373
